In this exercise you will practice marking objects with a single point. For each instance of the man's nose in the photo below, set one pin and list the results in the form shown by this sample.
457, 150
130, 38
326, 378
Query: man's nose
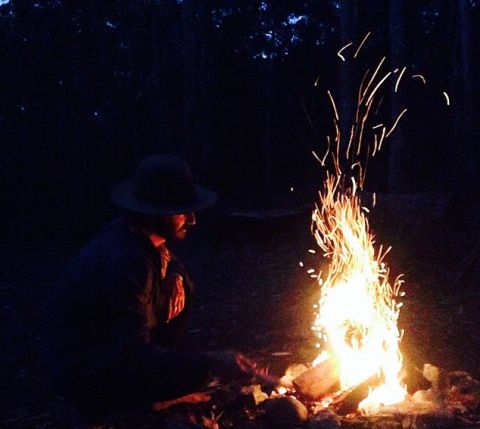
191, 219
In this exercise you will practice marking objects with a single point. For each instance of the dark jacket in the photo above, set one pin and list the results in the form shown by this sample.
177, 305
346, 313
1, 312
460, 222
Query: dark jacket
107, 323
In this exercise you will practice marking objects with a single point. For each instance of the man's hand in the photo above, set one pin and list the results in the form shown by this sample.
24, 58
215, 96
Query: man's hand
235, 365
176, 293
192, 398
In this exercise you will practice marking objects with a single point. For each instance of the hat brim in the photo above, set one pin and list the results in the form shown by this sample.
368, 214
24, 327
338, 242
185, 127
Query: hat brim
123, 196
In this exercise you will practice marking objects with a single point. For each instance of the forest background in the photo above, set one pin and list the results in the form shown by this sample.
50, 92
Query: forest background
239, 89
89, 88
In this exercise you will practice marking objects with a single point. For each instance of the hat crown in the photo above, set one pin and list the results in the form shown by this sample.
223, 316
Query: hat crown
164, 179
162, 185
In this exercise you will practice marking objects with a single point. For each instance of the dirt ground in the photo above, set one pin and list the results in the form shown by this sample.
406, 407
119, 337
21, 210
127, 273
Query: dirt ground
252, 296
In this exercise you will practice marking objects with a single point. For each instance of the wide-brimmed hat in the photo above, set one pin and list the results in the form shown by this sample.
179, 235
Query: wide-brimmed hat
162, 185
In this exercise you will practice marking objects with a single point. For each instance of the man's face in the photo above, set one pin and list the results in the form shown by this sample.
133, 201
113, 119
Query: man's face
176, 226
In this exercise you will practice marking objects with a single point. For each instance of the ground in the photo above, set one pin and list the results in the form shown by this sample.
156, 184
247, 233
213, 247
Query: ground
253, 296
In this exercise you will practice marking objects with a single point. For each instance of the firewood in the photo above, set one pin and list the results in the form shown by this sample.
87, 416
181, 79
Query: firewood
319, 380
192, 398
253, 395
354, 396
291, 373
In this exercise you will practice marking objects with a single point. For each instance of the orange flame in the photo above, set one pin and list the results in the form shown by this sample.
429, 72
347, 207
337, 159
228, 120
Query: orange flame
357, 313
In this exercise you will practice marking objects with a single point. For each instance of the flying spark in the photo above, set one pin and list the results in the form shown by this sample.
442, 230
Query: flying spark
419, 76
396, 122
447, 98
333, 104
339, 53
327, 152
378, 86
361, 44
399, 78
317, 158
381, 138
375, 146
372, 78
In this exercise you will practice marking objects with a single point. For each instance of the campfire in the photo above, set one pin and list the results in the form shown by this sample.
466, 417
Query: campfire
359, 360
358, 377
358, 312
357, 315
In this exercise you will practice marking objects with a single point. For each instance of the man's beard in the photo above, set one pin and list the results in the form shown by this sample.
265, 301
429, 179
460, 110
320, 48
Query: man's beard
166, 229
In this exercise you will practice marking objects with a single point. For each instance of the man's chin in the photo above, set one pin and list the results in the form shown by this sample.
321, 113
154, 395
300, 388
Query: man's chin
180, 235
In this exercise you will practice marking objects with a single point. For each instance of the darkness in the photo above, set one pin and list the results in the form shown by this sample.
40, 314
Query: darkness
89, 88
239, 89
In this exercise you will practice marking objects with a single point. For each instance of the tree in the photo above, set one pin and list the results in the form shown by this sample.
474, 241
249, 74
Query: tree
398, 144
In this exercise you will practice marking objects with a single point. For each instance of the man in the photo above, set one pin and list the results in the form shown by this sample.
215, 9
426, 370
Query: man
121, 306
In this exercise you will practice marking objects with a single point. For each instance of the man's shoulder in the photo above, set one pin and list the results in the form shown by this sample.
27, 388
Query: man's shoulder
116, 243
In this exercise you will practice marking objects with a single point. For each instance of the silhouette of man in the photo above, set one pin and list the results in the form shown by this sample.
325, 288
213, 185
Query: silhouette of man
121, 306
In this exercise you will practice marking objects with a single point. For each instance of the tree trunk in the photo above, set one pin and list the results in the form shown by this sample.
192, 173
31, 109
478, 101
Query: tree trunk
461, 151
162, 74
346, 88
397, 172
464, 106
267, 137
206, 77
197, 128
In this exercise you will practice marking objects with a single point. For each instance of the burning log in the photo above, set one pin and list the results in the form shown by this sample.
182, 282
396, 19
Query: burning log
352, 398
291, 373
318, 380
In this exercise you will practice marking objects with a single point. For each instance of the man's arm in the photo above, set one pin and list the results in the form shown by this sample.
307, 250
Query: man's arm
132, 318
174, 373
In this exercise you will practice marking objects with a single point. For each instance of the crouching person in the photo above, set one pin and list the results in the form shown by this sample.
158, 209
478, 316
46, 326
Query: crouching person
121, 306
